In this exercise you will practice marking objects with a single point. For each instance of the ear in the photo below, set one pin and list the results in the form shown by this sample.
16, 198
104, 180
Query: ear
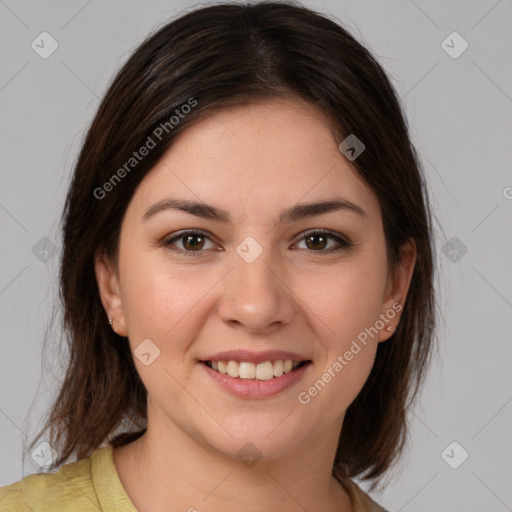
397, 287
108, 284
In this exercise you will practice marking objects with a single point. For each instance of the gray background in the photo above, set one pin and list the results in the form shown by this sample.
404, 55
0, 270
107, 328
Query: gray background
459, 110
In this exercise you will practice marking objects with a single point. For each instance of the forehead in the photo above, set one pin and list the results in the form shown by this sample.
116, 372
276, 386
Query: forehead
256, 158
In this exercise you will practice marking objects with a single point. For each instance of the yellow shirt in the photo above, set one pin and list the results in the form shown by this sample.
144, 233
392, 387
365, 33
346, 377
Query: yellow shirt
92, 484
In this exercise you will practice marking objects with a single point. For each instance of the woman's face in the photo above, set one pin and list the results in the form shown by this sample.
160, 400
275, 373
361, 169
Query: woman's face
256, 279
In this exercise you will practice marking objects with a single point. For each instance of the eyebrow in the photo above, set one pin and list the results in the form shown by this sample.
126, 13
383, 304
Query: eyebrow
293, 214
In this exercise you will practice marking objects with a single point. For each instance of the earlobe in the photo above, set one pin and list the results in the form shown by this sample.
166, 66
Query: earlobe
110, 296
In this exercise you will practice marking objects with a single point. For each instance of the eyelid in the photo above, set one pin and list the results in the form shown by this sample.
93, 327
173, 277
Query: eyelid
343, 242
322, 231
168, 241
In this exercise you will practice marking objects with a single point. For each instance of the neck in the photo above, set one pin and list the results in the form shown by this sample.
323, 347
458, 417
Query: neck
173, 471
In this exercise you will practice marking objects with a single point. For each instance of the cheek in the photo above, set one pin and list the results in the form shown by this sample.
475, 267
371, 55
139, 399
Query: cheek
161, 305
345, 305
345, 300
349, 349
160, 300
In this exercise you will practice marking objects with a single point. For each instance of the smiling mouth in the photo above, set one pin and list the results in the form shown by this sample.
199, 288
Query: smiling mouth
266, 370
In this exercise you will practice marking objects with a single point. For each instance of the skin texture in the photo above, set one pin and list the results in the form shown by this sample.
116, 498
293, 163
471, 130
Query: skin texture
253, 162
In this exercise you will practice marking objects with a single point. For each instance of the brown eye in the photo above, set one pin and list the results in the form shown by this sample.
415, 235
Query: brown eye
192, 242
317, 241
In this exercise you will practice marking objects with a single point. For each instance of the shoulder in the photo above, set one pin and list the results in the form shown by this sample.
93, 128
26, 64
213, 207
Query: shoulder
70, 489
11, 498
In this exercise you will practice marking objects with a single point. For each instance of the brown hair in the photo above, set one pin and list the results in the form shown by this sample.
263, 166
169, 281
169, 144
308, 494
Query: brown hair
221, 56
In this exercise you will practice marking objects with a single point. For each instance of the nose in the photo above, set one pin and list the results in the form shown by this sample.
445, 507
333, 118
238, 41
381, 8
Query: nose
257, 296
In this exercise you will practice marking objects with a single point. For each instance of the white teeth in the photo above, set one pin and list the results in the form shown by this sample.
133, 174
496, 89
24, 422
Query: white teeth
278, 368
261, 371
247, 370
265, 371
233, 369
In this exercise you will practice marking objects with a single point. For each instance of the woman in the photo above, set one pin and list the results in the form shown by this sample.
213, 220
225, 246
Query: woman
247, 276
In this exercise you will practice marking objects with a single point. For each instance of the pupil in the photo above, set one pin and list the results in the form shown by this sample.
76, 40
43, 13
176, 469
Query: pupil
321, 237
188, 238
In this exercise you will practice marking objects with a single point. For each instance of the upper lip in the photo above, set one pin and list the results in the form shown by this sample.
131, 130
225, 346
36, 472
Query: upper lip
255, 357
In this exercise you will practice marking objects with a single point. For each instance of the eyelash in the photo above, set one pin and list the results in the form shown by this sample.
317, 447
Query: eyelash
343, 244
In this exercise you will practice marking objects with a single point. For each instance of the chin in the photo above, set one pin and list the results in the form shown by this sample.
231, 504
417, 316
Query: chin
260, 438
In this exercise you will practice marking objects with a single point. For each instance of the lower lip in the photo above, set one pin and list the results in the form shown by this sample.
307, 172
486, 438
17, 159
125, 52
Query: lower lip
249, 388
